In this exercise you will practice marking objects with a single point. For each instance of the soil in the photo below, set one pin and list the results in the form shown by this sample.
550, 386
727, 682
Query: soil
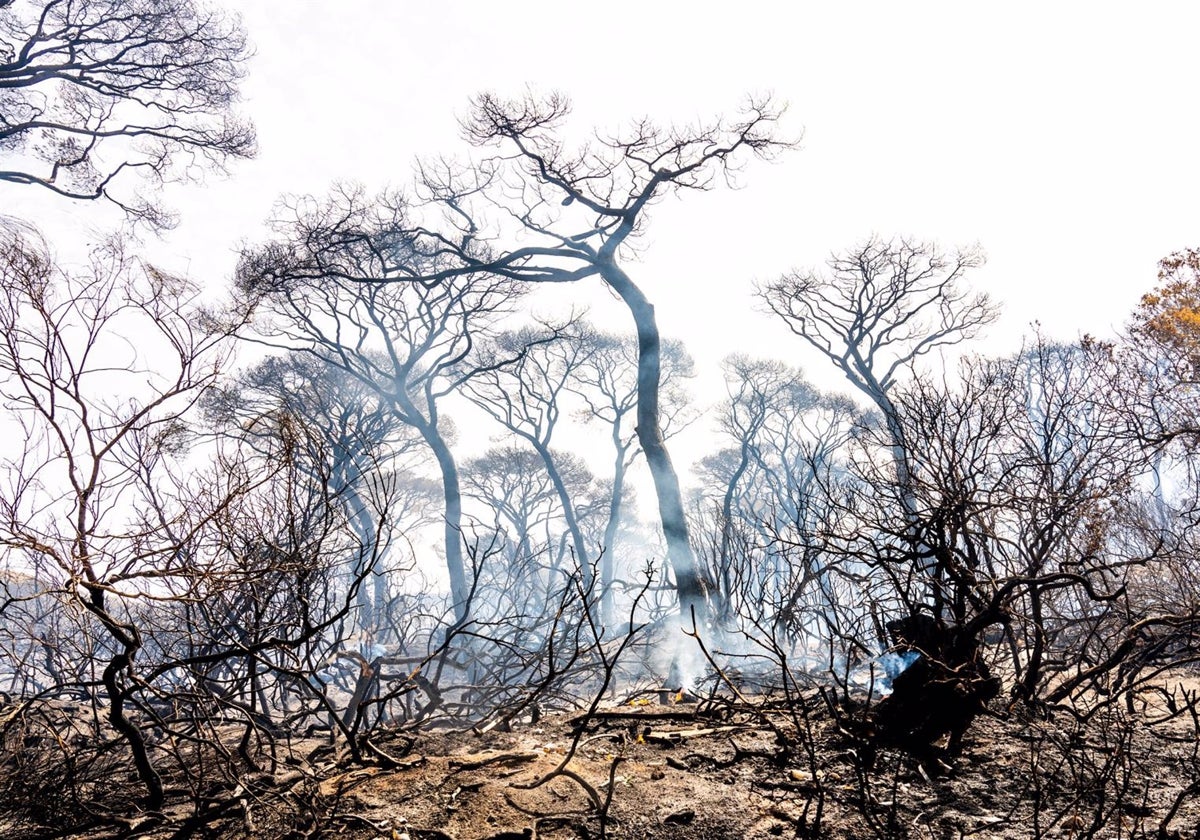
715, 770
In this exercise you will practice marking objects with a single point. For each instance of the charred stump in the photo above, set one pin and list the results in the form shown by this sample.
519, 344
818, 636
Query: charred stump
935, 699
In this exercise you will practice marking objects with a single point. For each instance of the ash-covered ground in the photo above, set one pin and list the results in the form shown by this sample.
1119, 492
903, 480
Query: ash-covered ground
720, 768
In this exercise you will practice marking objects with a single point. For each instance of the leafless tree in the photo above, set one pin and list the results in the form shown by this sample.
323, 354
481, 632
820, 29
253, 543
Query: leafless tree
91, 90
349, 436
258, 621
538, 211
407, 342
881, 306
99, 418
770, 490
525, 503
607, 381
1023, 493
527, 396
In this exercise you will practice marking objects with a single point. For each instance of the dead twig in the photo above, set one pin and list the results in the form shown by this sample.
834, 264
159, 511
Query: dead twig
677, 735
479, 761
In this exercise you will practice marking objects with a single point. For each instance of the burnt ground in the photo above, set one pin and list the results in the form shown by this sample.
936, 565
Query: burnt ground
709, 770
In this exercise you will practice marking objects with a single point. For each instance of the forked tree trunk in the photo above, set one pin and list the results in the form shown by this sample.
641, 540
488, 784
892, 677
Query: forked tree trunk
724, 560
371, 605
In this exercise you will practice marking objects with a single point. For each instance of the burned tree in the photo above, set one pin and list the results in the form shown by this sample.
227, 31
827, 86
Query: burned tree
92, 90
101, 423
1022, 485
771, 495
525, 505
182, 589
1079, 534
577, 212
529, 394
881, 307
756, 391
607, 382
522, 383
345, 436
878, 309
260, 623
319, 292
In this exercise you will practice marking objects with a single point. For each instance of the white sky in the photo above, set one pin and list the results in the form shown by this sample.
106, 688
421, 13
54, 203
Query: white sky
1062, 137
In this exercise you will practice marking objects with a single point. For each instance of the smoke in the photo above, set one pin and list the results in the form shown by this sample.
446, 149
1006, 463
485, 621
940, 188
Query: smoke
687, 661
878, 674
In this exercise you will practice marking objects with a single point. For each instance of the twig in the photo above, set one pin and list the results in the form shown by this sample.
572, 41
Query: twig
501, 758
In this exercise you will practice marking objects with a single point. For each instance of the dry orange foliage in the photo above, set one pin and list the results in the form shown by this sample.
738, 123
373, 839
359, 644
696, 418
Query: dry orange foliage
1170, 314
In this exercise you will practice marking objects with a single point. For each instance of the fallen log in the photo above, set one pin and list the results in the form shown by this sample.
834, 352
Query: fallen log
638, 714
677, 735
480, 760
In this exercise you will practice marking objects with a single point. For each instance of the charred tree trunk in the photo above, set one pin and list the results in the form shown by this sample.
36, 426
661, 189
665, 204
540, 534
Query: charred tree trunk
452, 494
371, 605
693, 600
427, 427
607, 559
127, 636
568, 507
724, 560
935, 699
